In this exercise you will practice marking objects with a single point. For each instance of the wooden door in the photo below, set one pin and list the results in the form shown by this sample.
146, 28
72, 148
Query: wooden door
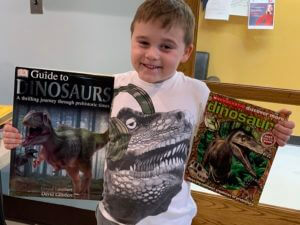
188, 68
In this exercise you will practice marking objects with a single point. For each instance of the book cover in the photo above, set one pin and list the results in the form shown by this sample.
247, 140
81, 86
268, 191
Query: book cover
261, 14
233, 149
63, 118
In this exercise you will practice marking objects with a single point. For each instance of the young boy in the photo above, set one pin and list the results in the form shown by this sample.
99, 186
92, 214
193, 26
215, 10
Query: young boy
153, 117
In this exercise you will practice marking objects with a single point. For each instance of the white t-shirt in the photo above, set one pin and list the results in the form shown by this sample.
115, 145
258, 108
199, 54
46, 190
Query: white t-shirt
154, 124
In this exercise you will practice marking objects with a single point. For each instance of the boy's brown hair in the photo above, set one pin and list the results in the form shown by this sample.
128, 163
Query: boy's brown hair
170, 13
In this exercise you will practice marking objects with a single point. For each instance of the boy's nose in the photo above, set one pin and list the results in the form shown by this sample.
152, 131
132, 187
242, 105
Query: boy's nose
152, 53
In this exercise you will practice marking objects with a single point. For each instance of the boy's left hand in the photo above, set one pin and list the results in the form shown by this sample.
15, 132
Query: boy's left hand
283, 130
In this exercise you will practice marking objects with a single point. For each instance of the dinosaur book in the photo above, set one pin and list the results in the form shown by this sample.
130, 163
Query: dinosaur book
63, 119
233, 148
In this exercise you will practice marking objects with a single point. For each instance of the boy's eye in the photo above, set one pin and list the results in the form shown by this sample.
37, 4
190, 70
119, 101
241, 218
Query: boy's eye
143, 43
166, 47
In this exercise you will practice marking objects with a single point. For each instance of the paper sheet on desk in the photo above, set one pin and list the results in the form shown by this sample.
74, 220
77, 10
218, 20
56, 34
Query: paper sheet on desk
218, 9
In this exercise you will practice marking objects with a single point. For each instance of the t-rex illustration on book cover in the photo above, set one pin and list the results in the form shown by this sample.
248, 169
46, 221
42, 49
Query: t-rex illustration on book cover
233, 149
63, 118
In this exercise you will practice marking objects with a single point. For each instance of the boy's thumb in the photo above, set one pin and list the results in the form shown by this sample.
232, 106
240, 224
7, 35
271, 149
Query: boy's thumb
285, 113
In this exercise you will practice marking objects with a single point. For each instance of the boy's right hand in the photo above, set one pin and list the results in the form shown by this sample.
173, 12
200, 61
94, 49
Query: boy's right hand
11, 136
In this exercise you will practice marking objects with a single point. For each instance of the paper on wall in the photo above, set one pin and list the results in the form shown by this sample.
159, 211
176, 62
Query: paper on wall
239, 7
261, 14
218, 9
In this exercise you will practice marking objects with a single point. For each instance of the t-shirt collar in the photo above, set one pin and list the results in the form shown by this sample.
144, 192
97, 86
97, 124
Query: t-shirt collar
145, 83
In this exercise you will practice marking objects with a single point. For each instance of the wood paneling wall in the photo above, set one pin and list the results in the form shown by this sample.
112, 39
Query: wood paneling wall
188, 68
249, 92
217, 210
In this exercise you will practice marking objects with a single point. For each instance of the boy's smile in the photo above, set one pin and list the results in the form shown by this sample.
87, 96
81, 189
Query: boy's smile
156, 52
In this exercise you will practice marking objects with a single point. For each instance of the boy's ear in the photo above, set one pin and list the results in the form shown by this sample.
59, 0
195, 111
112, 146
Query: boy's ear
187, 53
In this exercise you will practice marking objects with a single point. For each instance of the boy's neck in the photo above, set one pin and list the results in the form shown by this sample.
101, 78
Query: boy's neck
157, 82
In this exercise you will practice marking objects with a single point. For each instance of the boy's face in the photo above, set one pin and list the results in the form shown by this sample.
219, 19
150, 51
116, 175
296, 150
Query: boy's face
156, 52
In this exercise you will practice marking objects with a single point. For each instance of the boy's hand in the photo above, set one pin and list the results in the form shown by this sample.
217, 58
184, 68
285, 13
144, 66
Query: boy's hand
283, 129
11, 136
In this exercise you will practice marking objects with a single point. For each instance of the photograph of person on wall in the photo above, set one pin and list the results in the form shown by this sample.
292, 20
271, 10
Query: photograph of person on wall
261, 15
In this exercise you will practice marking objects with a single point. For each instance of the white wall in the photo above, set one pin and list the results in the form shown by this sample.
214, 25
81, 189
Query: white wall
76, 35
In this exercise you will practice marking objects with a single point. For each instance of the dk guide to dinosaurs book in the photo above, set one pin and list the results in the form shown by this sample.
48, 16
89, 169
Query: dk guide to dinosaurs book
63, 118
233, 149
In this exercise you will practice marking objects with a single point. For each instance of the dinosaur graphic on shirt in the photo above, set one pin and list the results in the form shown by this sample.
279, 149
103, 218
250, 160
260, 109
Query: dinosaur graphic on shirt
145, 163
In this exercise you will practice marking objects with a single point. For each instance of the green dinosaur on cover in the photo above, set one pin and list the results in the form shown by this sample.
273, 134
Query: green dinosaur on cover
64, 148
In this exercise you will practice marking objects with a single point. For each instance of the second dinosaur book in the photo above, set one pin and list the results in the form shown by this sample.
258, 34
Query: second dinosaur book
233, 149
63, 118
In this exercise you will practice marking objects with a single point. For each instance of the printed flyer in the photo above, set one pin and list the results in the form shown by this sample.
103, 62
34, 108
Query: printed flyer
261, 14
